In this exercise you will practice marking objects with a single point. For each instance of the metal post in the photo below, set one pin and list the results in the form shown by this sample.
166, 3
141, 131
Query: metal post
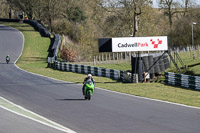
193, 41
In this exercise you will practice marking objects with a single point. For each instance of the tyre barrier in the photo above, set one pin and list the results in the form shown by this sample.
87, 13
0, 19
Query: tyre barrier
96, 71
181, 80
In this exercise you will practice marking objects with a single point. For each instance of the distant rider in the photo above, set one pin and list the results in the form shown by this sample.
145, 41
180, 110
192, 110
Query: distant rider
7, 58
89, 77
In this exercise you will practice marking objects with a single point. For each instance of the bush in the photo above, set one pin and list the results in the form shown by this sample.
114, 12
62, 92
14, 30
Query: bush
68, 54
68, 28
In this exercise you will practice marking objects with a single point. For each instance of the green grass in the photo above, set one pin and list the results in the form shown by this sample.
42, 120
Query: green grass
187, 60
121, 66
34, 57
185, 56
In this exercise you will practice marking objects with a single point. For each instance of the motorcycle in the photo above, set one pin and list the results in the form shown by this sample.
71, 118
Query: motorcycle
89, 89
7, 60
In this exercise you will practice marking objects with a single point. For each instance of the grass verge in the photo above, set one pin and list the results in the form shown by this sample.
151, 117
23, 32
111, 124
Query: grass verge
34, 59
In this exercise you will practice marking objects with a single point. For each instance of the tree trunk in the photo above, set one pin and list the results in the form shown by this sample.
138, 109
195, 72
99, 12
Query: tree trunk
186, 6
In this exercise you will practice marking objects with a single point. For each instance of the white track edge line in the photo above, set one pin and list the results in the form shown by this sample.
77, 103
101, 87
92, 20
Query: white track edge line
24, 109
44, 123
151, 99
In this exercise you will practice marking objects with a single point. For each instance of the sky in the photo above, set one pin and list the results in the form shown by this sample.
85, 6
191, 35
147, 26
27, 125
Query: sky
156, 2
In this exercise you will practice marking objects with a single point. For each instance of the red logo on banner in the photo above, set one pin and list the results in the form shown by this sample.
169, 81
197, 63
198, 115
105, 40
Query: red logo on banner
156, 44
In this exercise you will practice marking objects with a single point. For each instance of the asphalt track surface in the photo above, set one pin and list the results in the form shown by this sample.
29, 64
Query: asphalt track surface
107, 112
12, 123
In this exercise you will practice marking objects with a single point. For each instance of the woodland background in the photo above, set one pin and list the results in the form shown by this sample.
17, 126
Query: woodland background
82, 22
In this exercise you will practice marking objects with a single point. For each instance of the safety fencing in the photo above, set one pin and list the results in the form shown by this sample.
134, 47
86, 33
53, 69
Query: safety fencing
96, 71
188, 81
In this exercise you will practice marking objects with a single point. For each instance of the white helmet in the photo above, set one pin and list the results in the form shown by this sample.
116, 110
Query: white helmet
89, 75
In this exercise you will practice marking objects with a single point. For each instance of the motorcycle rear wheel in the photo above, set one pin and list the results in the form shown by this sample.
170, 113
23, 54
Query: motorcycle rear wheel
89, 96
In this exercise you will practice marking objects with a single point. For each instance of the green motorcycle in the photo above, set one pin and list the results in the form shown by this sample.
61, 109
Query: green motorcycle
89, 89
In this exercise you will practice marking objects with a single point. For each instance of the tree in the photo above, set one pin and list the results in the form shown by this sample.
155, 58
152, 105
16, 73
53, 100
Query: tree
186, 6
171, 7
53, 10
26, 6
129, 12
4, 9
75, 14
181, 33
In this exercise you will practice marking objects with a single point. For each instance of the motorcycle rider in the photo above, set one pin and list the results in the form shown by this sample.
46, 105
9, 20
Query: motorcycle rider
7, 58
89, 77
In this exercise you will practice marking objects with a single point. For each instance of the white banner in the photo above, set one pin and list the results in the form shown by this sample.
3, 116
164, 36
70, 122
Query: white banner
127, 44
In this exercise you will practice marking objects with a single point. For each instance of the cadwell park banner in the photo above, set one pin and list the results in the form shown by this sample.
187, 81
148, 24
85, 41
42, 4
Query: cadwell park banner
128, 44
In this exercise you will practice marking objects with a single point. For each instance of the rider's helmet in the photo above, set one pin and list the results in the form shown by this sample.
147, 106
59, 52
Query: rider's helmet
89, 75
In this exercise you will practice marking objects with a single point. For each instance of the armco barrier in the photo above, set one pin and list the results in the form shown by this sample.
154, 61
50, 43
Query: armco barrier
192, 82
96, 71
9, 20
38, 27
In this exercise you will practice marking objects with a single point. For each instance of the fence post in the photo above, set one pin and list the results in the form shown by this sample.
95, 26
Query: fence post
113, 57
198, 51
121, 56
99, 58
94, 62
96, 59
117, 58
102, 58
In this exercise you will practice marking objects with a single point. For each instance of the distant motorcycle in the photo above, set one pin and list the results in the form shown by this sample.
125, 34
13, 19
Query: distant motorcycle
89, 89
7, 59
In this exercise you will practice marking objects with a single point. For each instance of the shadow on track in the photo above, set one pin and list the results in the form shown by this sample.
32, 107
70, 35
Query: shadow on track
68, 99
7, 64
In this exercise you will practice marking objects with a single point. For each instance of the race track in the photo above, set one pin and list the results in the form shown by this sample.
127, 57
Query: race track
107, 112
